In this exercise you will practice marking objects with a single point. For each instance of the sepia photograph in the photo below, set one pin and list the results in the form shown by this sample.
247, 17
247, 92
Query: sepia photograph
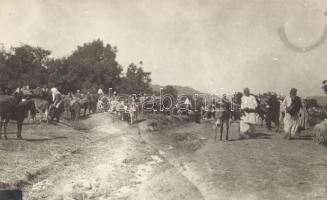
163, 100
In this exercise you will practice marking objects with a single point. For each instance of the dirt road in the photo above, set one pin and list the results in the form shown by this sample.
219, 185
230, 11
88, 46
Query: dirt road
118, 165
171, 160
264, 167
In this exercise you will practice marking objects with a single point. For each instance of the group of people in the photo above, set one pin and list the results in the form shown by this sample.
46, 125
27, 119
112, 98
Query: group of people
290, 110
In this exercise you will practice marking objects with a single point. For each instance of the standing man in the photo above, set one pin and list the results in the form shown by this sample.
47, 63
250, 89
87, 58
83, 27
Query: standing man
78, 94
248, 119
198, 108
223, 115
291, 107
273, 110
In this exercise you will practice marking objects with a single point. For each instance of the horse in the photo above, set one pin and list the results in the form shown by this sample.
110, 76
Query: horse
133, 110
94, 100
86, 103
18, 111
74, 110
72, 107
67, 99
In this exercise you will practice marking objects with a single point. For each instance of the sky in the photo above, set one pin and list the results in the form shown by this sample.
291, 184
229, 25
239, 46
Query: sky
210, 45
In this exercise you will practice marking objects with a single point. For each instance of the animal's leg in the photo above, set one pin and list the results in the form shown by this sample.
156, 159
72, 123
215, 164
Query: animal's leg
58, 117
277, 125
216, 132
135, 114
132, 118
46, 113
85, 111
269, 124
19, 129
5, 127
28, 117
261, 121
314, 137
222, 129
1, 124
72, 115
227, 129
37, 120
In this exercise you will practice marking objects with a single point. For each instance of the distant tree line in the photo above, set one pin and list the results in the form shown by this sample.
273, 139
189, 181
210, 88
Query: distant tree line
91, 66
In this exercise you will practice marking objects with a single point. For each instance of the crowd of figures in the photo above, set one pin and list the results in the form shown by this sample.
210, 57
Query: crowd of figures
245, 108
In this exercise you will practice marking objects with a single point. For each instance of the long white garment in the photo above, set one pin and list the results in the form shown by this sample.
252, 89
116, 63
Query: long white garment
291, 123
303, 118
54, 92
249, 119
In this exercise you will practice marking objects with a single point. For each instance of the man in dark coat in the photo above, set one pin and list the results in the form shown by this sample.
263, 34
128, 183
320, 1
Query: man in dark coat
272, 115
291, 106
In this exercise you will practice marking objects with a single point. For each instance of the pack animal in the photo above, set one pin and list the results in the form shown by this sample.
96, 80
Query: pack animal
14, 109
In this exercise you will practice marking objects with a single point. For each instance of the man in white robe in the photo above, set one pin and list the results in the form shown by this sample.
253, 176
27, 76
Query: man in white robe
291, 107
54, 92
248, 119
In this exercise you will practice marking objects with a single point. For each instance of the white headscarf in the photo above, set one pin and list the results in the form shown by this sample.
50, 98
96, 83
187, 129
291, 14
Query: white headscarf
54, 92
100, 91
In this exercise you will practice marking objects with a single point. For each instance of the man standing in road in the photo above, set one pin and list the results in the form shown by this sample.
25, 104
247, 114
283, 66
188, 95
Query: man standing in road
291, 107
273, 110
248, 119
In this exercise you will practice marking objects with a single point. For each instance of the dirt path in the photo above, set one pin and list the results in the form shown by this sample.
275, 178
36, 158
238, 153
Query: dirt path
118, 166
174, 160
265, 167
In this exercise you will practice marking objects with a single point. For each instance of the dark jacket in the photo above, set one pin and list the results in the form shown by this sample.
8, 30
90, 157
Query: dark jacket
295, 107
273, 105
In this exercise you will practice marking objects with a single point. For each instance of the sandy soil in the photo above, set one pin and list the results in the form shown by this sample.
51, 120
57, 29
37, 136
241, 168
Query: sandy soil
108, 161
264, 167
159, 158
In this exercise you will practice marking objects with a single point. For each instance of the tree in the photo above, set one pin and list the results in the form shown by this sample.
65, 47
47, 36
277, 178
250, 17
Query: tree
58, 75
3, 70
169, 101
26, 65
136, 81
92, 65
171, 91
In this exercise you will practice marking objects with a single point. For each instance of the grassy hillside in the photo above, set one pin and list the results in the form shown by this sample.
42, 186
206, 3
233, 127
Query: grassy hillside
185, 90
180, 89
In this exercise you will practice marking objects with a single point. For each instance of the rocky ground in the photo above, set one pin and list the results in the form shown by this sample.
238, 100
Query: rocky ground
159, 158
